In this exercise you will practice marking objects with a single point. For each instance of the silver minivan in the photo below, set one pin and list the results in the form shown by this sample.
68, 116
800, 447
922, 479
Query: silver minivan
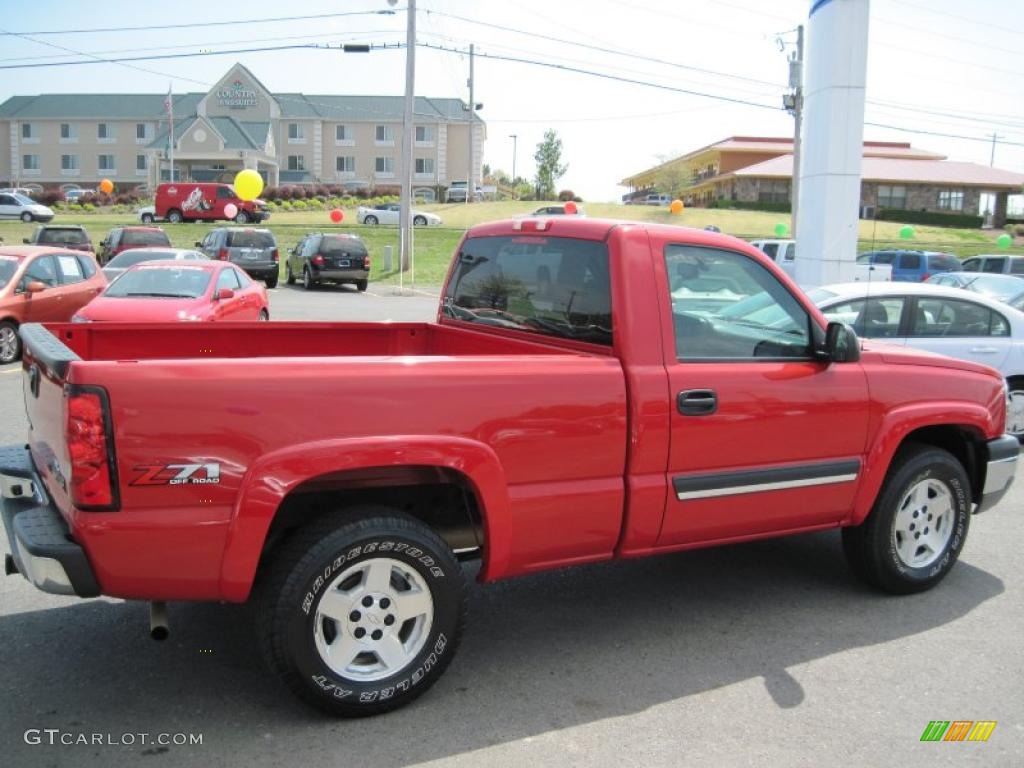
251, 249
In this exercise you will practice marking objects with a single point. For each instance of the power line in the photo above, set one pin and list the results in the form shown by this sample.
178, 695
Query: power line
199, 54
944, 135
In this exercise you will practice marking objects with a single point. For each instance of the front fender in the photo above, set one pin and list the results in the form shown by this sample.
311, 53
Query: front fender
894, 428
273, 476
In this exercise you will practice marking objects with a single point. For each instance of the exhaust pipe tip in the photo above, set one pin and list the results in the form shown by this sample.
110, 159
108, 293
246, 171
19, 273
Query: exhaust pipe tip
158, 628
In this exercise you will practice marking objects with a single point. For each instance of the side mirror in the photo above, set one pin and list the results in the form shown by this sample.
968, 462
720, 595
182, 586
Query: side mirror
199, 244
26, 241
224, 293
841, 344
35, 287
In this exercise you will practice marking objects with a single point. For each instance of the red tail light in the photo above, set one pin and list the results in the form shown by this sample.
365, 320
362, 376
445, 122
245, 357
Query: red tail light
90, 446
366, 262
925, 276
318, 260
276, 256
222, 254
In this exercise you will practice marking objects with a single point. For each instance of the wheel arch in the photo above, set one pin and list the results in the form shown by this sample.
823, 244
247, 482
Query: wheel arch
454, 485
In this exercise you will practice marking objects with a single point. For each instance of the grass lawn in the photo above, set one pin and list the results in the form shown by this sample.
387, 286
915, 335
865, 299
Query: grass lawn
433, 246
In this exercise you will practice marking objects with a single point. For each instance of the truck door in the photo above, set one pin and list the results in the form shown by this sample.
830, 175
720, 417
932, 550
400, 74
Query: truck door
764, 437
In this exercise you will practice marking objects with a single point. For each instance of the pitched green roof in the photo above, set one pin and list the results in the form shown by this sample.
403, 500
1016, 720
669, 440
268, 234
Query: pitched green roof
141, 106
334, 107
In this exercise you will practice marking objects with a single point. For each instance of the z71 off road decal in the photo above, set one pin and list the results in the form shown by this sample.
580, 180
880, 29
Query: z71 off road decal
177, 474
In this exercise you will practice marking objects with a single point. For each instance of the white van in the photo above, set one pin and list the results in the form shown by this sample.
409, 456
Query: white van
783, 253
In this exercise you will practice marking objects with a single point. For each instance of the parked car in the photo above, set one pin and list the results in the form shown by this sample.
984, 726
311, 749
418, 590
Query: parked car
389, 213
995, 263
657, 199
937, 319
130, 258
200, 201
71, 236
176, 291
456, 193
17, 206
912, 266
42, 284
75, 195
254, 250
783, 253
1008, 289
330, 258
147, 214
557, 210
335, 474
28, 192
121, 239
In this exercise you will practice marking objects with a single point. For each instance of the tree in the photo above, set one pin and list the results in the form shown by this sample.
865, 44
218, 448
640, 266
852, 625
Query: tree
671, 178
549, 168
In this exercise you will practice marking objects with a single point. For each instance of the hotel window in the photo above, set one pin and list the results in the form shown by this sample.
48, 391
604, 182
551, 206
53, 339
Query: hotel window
143, 132
69, 162
105, 131
773, 191
296, 132
425, 165
28, 132
296, 163
384, 165
346, 164
951, 199
343, 133
68, 132
106, 163
424, 134
892, 197
30, 162
140, 163
385, 134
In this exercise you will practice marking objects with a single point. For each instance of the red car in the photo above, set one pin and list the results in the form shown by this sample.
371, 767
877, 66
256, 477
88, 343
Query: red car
172, 291
121, 239
40, 284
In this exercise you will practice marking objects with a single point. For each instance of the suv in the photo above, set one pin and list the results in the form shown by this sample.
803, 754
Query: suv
457, 193
125, 238
71, 236
334, 258
1001, 264
912, 266
195, 201
253, 250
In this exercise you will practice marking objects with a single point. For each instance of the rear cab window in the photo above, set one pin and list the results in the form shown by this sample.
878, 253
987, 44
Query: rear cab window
549, 286
63, 237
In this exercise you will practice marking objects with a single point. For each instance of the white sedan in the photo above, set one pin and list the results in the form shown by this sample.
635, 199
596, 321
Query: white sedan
388, 213
949, 321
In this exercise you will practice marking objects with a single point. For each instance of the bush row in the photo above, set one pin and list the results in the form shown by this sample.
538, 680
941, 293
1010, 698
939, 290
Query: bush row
321, 191
753, 205
929, 217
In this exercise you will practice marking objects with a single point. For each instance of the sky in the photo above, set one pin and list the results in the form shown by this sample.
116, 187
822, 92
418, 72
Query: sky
934, 67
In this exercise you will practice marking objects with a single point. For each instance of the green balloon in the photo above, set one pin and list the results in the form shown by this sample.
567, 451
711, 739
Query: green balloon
906, 232
1003, 242
781, 229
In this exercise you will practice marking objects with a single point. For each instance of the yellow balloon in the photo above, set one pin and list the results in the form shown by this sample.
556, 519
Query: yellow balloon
248, 184
676, 207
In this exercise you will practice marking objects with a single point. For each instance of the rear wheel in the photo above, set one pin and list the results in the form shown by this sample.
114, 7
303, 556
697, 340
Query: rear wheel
1015, 408
307, 279
914, 533
370, 220
242, 217
361, 614
271, 281
10, 342
147, 218
174, 216
361, 285
288, 276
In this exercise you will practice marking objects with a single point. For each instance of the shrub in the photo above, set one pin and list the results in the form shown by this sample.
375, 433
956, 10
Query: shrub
1018, 230
566, 195
49, 197
299, 205
930, 217
750, 205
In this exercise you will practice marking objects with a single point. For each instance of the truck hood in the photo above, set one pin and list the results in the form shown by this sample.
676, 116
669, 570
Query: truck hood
895, 354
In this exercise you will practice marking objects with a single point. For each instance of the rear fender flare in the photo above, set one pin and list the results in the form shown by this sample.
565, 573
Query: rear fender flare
273, 476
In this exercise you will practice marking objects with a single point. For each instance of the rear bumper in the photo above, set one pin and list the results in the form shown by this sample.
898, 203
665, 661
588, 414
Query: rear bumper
259, 270
1000, 469
42, 549
341, 274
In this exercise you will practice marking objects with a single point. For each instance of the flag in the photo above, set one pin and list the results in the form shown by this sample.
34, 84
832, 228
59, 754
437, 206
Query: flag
169, 105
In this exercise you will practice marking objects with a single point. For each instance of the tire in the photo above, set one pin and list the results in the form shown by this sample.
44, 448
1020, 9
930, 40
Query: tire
26, 217
419, 221
361, 285
174, 216
926, 493
147, 218
388, 564
264, 316
288, 276
271, 282
370, 221
10, 342
242, 218
1015, 408
307, 279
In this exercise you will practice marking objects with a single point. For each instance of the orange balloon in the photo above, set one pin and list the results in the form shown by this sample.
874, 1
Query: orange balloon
106, 186
676, 207
570, 206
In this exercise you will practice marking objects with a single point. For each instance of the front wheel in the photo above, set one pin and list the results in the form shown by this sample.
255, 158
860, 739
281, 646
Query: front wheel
361, 614
914, 533
1015, 407
419, 221
370, 221
147, 218
26, 217
10, 343
288, 276
264, 316
242, 217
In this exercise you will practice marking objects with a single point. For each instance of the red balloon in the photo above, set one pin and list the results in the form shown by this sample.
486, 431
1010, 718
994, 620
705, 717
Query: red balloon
570, 207
337, 215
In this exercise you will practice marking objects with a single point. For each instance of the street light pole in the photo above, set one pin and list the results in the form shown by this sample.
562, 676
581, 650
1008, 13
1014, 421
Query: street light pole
515, 142
405, 238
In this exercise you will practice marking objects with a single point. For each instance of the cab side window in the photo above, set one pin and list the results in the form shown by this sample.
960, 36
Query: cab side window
228, 279
726, 306
225, 193
42, 270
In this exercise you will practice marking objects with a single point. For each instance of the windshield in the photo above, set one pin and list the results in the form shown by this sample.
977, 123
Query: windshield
24, 200
144, 237
63, 236
8, 267
997, 286
160, 282
250, 239
137, 256
554, 286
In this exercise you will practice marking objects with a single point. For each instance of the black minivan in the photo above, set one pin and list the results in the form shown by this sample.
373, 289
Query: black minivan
329, 258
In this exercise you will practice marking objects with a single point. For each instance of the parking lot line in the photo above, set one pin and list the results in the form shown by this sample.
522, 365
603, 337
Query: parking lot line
11, 370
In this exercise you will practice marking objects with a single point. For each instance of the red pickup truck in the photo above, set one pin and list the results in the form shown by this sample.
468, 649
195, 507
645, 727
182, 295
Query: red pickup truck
591, 390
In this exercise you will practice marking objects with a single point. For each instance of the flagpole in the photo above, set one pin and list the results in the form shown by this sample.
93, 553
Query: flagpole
170, 128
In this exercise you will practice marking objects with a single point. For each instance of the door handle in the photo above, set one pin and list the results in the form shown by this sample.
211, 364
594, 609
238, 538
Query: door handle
697, 402
984, 350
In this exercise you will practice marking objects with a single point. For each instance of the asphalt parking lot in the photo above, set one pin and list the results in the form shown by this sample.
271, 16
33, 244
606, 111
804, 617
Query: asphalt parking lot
760, 654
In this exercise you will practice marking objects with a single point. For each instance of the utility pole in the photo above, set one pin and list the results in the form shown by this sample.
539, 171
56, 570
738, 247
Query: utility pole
405, 238
470, 182
515, 142
992, 157
794, 103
